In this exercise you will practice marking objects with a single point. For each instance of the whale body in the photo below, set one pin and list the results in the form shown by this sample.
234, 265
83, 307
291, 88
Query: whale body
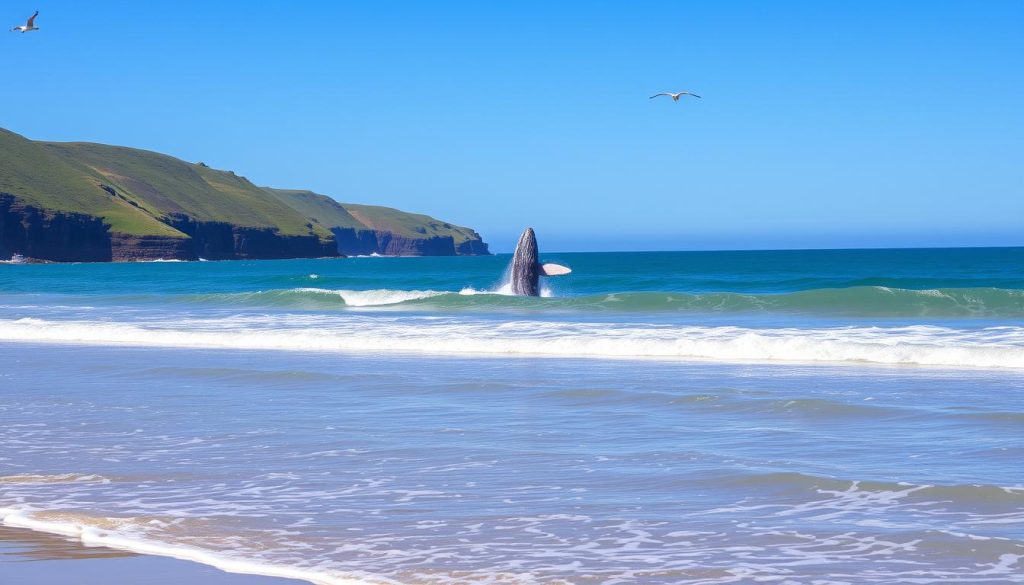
526, 268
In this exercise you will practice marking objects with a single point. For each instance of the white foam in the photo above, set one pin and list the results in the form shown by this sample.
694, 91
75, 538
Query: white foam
504, 290
996, 347
126, 539
504, 287
375, 297
31, 478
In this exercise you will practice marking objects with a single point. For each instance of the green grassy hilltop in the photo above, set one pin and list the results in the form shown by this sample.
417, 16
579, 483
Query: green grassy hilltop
138, 193
38, 176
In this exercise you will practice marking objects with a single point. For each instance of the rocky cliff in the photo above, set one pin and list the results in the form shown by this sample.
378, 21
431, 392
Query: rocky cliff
60, 236
213, 240
362, 230
55, 236
364, 242
81, 202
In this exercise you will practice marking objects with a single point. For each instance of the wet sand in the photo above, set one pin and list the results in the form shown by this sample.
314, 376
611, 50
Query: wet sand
33, 558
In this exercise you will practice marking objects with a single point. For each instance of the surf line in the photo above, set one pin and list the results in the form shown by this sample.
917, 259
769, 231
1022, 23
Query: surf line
95, 536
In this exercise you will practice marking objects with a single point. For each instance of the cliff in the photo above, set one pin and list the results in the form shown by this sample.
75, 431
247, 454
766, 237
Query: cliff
361, 230
82, 202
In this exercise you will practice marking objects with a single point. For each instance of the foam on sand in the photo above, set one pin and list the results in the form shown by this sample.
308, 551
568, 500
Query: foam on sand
124, 534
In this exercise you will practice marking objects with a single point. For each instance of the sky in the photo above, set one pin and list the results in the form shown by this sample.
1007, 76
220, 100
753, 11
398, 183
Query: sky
821, 124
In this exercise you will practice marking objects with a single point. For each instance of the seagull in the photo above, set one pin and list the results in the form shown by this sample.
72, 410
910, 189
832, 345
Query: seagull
675, 96
29, 26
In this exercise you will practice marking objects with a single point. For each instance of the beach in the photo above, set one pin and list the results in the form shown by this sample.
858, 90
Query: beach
33, 558
788, 417
512, 293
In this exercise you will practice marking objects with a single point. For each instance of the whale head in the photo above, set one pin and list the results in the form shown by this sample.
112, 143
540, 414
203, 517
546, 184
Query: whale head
526, 268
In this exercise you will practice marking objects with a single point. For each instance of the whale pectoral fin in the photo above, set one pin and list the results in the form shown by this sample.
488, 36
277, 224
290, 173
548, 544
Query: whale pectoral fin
550, 269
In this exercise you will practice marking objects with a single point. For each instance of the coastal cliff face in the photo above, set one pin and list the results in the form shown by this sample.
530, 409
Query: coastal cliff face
134, 248
473, 247
355, 242
212, 240
59, 236
83, 202
74, 237
395, 245
361, 230
364, 242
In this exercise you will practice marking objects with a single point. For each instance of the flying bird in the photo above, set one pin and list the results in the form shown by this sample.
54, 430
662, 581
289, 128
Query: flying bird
675, 96
29, 26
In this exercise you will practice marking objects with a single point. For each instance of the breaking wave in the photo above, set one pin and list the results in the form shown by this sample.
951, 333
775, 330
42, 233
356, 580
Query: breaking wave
991, 347
868, 301
367, 298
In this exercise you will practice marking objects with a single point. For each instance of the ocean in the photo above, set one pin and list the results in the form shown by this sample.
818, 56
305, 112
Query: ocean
795, 417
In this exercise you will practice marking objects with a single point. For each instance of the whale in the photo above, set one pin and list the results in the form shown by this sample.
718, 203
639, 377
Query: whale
526, 268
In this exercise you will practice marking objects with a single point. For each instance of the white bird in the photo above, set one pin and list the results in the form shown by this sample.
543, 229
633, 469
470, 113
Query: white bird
29, 26
675, 96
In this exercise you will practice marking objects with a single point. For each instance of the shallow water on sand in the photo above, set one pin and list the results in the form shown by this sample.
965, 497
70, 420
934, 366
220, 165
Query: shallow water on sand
842, 417
521, 471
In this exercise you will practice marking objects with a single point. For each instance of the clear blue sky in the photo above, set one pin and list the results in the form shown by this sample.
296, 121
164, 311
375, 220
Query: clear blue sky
823, 124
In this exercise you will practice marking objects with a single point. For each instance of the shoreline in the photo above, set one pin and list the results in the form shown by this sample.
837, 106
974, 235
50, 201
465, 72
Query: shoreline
31, 557
87, 536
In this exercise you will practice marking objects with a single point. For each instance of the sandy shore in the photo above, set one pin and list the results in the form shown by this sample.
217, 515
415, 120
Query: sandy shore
33, 558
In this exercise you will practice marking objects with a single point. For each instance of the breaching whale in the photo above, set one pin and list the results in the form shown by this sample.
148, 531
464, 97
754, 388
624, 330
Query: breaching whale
526, 267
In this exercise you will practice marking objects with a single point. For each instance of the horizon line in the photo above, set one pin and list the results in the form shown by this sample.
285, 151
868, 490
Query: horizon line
854, 249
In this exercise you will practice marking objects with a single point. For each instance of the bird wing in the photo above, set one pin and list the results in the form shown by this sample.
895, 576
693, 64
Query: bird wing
32, 19
657, 94
693, 94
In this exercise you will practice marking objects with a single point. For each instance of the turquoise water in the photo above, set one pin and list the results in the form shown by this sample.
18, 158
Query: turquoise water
705, 417
978, 281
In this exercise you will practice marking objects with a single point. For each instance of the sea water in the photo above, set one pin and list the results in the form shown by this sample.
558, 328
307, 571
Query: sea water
701, 417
